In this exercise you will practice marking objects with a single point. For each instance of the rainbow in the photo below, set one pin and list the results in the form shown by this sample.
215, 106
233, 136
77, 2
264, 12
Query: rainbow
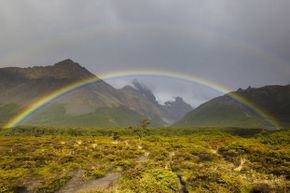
33, 107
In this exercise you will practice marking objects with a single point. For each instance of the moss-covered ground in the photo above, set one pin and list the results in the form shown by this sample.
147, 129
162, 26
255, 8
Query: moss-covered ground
195, 162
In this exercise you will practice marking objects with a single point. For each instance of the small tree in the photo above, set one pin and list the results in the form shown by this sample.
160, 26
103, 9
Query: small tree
115, 135
142, 130
144, 124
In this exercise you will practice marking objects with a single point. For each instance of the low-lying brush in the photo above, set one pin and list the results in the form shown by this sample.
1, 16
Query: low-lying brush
216, 161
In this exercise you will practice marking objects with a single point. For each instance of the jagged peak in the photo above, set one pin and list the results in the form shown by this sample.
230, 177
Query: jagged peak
177, 101
144, 90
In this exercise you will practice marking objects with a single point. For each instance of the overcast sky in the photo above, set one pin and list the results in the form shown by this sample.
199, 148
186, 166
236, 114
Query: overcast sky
234, 43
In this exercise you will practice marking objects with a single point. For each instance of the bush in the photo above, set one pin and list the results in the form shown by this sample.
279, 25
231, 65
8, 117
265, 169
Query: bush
53, 185
95, 173
151, 181
261, 188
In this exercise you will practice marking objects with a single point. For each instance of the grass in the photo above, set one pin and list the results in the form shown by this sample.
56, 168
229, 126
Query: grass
205, 160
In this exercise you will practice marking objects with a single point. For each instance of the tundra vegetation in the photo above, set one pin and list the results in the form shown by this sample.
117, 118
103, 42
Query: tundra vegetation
44, 160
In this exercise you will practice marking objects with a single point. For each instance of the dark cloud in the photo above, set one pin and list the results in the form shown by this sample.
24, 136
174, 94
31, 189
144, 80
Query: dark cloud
232, 43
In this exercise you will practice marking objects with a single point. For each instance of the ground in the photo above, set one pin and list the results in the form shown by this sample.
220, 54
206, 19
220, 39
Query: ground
199, 162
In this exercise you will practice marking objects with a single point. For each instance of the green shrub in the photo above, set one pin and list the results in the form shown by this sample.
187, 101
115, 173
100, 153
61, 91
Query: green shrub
52, 185
261, 188
151, 181
95, 173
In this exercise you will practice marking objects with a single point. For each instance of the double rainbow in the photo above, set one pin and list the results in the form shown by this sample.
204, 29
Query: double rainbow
33, 107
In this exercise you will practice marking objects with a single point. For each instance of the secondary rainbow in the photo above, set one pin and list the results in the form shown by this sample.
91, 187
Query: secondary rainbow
33, 107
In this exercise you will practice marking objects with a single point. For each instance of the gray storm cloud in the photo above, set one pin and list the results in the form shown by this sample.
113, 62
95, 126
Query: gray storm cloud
232, 43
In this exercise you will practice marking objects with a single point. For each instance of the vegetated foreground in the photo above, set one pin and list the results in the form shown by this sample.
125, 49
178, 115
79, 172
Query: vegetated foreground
209, 161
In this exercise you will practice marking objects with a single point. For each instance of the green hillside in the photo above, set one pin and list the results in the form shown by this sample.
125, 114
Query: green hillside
226, 111
7, 111
55, 115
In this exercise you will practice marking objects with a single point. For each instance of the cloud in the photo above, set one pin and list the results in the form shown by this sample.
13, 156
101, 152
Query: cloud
232, 43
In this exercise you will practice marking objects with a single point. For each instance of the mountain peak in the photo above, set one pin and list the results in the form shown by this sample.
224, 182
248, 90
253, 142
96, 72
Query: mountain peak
178, 103
67, 69
67, 63
176, 109
144, 90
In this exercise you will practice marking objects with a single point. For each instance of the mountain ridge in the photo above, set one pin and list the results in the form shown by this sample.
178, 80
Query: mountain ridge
21, 86
66, 69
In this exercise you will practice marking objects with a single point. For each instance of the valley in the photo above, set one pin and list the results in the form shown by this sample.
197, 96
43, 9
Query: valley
96, 138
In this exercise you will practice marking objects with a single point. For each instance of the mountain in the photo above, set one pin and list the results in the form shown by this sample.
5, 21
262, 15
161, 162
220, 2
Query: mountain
95, 105
225, 111
21, 86
176, 109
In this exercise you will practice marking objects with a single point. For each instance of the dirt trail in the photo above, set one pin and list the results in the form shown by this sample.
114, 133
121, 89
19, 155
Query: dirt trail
240, 167
145, 157
181, 183
79, 184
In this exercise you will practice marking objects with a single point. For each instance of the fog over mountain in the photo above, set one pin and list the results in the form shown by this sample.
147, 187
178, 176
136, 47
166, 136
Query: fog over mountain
231, 43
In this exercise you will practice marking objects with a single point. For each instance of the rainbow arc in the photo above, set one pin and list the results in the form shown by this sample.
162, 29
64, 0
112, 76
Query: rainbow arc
37, 105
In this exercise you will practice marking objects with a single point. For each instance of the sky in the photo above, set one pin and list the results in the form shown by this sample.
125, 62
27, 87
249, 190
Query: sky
231, 43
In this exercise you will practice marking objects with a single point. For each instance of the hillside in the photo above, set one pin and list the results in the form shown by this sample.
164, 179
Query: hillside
225, 111
95, 105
